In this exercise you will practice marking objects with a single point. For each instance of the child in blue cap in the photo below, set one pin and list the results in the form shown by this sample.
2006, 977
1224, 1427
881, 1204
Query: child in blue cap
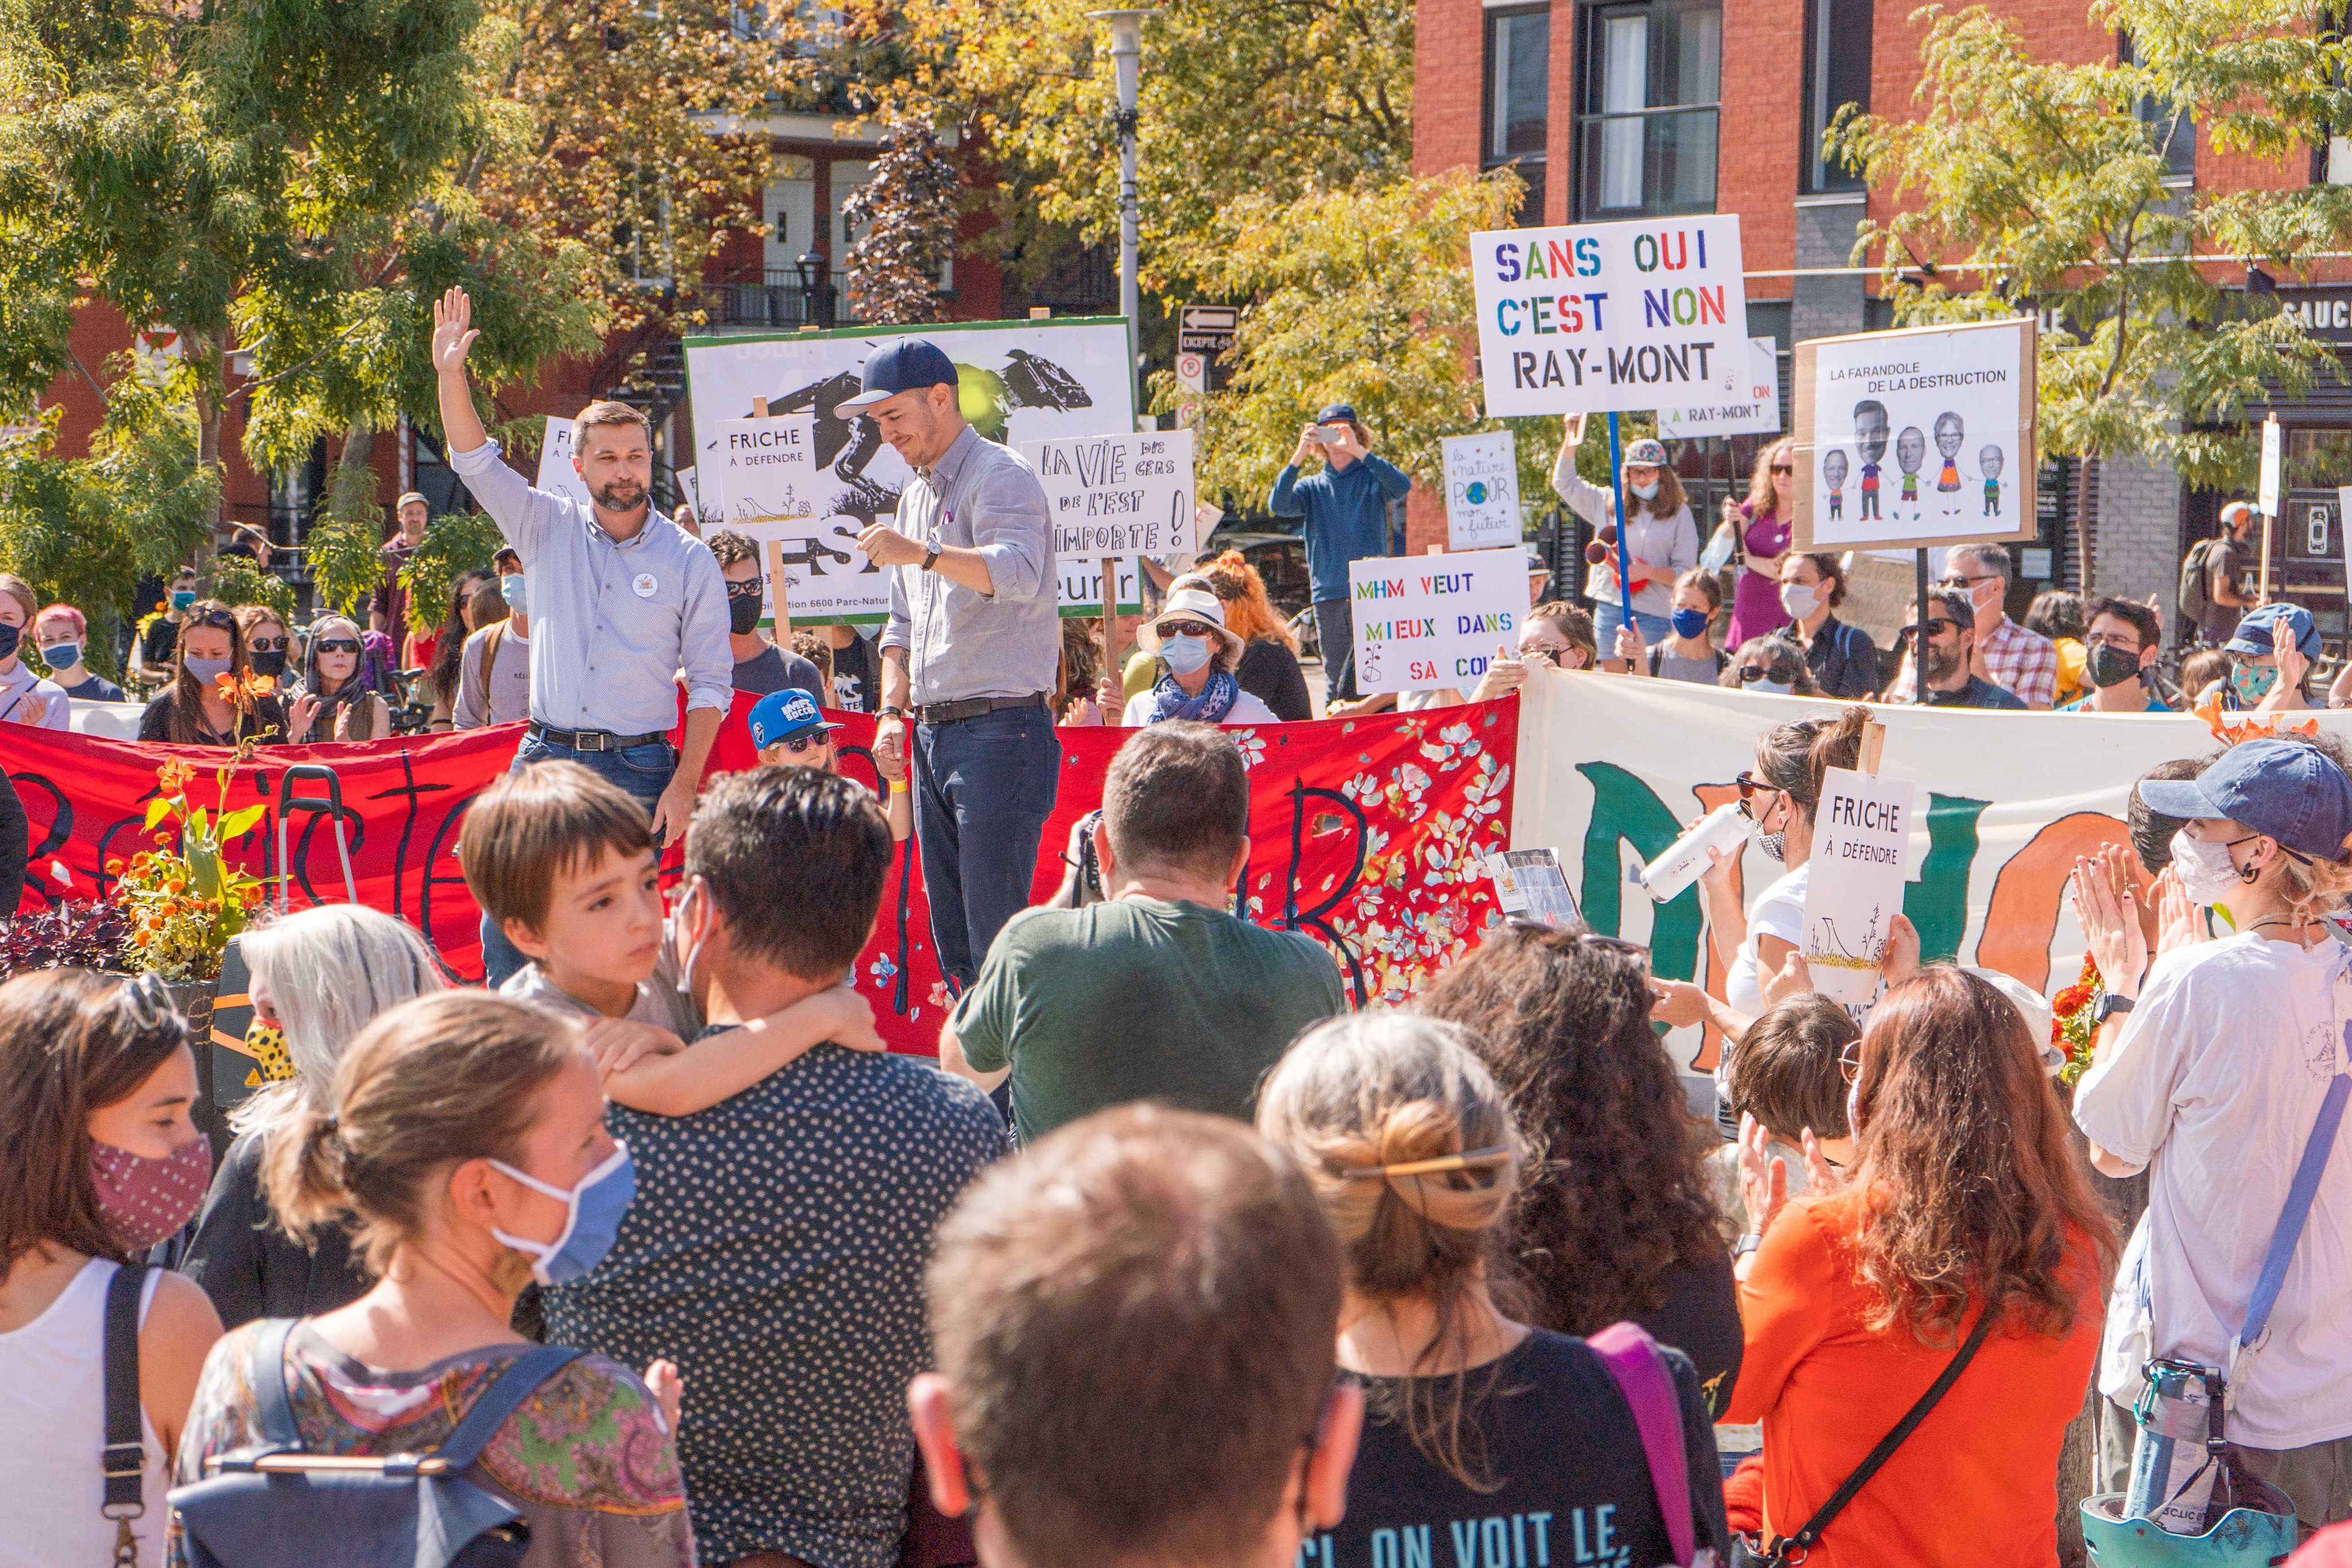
2270, 652
788, 729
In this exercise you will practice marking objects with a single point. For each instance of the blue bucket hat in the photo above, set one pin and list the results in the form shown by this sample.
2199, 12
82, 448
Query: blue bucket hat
2283, 789
782, 714
902, 364
2253, 634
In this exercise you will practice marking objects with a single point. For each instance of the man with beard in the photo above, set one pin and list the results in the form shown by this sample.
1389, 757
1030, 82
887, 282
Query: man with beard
1951, 638
622, 601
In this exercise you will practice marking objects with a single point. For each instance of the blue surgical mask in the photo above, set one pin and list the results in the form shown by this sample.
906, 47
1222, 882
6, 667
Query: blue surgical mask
510, 589
1185, 655
183, 597
206, 671
1689, 623
592, 1219
61, 656
9, 637
1647, 492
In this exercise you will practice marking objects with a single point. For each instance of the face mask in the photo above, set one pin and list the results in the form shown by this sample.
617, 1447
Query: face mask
1800, 599
510, 589
1772, 688
1185, 655
145, 1201
1775, 844
271, 662
743, 614
1689, 623
592, 1219
9, 637
61, 656
183, 597
2207, 876
1647, 492
206, 671
2112, 666
2254, 683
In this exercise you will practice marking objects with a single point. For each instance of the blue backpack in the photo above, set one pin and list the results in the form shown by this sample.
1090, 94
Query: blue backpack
274, 1505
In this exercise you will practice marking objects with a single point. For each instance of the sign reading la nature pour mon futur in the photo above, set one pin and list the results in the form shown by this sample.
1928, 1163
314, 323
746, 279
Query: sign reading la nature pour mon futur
1602, 318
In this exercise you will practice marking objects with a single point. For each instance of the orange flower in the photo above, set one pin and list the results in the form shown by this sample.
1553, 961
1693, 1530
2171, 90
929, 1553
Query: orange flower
2070, 1001
261, 685
114, 867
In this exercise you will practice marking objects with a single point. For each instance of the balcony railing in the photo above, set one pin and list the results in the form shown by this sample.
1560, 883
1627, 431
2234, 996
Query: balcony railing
772, 300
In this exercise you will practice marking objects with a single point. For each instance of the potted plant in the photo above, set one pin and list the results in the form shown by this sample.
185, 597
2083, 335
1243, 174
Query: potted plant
184, 900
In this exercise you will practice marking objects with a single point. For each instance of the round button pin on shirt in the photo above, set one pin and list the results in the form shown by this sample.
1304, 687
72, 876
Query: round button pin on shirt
644, 585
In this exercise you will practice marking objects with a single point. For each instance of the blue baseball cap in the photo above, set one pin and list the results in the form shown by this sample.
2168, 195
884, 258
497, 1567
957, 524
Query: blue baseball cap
902, 364
780, 716
2253, 634
2283, 789
1334, 412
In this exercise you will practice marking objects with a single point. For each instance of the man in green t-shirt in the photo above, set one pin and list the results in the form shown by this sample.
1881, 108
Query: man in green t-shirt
1157, 993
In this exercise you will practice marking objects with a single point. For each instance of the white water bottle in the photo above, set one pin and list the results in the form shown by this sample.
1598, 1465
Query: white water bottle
1686, 859
1718, 554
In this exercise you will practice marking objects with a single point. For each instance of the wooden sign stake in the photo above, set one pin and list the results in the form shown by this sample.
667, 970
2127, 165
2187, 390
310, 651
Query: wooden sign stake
1110, 621
779, 586
1874, 743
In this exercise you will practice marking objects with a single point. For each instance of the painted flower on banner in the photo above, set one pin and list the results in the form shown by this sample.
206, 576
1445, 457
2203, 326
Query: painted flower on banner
1251, 746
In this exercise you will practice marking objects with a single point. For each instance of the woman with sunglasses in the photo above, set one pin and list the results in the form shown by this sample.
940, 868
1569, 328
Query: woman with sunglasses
1771, 665
1968, 1227
1199, 659
266, 642
1616, 1218
1471, 1414
193, 710
1761, 526
335, 702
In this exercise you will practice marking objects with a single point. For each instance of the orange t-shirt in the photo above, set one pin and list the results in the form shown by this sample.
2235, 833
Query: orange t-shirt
1976, 1485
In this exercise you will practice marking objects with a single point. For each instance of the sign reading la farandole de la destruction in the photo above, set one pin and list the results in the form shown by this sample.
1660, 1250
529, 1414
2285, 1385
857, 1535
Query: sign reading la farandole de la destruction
1602, 317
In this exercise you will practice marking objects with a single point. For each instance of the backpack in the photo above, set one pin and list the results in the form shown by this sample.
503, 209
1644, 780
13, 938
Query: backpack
271, 1505
2196, 595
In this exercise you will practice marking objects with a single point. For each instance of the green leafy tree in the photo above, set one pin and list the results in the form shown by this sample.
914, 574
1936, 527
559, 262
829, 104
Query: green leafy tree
453, 546
233, 580
2033, 185
905, 222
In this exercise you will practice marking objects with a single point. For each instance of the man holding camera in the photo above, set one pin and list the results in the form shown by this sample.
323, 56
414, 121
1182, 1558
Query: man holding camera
1347, 512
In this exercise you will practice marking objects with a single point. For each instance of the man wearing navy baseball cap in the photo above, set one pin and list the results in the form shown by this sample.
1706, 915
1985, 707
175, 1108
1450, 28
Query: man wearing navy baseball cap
2221, 1070
971, 651
788, 729
1347, 512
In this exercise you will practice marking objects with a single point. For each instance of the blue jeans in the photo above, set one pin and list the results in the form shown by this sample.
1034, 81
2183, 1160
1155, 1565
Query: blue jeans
1335, 635
984, 789
645, 771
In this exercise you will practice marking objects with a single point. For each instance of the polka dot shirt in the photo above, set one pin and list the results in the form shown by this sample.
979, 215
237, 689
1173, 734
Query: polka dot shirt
775, 1252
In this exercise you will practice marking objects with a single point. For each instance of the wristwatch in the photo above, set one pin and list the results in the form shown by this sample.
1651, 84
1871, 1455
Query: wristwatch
930, 555
2109, 1006
1745, 1245
891, 713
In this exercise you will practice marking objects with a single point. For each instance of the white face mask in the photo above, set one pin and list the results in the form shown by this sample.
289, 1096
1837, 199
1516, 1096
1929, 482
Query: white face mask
1184, 654
1772, 688
1647, 492
1800, 599
2209, 874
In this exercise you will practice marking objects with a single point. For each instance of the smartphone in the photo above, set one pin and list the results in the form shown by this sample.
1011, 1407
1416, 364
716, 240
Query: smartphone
1322, 435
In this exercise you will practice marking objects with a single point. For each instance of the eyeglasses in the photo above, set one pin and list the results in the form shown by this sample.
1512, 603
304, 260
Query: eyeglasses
335, 645
1850, 1061
1972, 581
1187, 629
1936, 627
744, 590
2120, 644
267, 645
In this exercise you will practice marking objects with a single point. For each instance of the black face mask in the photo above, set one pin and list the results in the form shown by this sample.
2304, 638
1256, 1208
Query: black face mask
743, 613
2112, 666
270, 662
9, 637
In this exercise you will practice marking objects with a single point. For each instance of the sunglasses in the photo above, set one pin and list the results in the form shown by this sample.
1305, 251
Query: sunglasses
1936, 627
267, 645
220, 620
743, 589
798, 744
1850, 1061
1779, 468
1188, 629
335, 645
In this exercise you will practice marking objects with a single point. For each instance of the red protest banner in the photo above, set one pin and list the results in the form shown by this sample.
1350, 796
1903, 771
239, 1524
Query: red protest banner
1371, 834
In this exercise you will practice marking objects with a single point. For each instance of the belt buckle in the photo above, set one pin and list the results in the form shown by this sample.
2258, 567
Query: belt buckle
591, 740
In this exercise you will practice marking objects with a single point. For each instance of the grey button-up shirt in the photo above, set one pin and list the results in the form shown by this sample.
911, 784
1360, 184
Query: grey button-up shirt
978, 496
611, 623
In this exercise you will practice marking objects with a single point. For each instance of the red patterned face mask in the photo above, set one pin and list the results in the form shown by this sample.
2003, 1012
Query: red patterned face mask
144, 1200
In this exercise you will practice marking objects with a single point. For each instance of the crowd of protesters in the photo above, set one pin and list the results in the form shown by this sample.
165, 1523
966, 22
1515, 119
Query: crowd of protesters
1171, 1257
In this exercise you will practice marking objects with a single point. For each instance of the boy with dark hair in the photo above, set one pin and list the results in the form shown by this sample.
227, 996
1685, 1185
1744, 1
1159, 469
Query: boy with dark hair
2121, 639
776, 1246
1159, 992
1133, 1330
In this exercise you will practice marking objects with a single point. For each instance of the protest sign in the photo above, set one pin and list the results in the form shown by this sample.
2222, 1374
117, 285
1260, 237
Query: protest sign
1118, 494
1606, 316
1482, 491
1918, 437
1755, 411
1018, 381
763, 486
556, 474
1854, 889
1426, 622
1082, 585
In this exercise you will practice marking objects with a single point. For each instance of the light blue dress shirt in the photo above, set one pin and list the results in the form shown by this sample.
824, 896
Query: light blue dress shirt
961, 644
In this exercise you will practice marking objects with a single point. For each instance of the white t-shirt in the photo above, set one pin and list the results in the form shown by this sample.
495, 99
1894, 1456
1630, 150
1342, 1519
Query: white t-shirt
2215, 1085
20, 685
1247, 710
1780, 912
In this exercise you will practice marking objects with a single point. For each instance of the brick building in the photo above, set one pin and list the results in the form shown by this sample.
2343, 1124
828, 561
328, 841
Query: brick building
1625, 108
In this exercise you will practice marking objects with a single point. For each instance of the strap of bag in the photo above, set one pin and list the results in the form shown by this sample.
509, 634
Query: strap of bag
1805, 1539
273, 1411
2289, 1230
1633, 1360
124, 1457
518, 1383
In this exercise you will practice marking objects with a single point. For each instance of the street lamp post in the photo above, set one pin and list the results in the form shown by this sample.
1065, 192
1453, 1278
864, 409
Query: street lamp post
815, 297
1127, 56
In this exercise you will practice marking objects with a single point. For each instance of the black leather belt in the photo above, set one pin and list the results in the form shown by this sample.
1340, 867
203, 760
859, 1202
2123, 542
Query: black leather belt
973, 707
592, 739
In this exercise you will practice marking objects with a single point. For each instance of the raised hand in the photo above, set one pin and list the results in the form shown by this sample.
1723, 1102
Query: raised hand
453, 330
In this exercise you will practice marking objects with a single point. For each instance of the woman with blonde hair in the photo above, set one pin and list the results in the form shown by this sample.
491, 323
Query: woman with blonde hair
1269, 666
1414, 1154
320, 975
1761, 527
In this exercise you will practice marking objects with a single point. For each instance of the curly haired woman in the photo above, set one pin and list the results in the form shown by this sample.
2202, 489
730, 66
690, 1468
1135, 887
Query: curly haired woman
1616, 1218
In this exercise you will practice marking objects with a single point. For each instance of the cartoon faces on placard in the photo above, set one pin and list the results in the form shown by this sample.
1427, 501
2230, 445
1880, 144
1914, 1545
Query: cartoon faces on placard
1833, 475
1917, 434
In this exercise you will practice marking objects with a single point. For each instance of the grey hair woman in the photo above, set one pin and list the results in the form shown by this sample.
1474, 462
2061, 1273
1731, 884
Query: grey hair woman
321, 976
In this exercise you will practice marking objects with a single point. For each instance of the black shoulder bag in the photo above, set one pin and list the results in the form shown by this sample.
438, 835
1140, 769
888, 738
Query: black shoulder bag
124, 1458
1749, 1552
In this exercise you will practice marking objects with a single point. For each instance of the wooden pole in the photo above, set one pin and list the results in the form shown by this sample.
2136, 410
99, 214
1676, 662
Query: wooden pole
780, 587
1874, 744
1111, 671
